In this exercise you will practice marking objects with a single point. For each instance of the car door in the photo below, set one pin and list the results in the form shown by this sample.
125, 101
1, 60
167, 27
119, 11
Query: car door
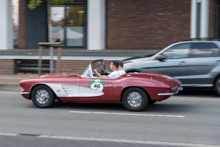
176, 62
204, 57
96, 90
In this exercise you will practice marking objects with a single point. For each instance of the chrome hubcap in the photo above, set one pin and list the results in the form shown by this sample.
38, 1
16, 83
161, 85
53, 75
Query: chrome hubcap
134, 99
42, 96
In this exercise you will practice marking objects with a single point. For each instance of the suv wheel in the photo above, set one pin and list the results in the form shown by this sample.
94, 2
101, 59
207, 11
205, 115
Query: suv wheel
217, 86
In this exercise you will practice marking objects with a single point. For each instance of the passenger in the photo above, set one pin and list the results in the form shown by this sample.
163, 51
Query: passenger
120, 68
114, 68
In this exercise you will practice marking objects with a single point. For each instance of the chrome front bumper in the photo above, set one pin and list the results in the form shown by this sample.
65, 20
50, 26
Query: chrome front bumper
24, 92
173, 93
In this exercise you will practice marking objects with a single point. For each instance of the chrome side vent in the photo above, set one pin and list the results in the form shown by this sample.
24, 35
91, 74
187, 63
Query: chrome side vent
71, 90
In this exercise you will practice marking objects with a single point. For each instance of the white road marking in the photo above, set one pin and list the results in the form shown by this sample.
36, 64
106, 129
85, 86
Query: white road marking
113, 140
187, 98
126, 114
9, 92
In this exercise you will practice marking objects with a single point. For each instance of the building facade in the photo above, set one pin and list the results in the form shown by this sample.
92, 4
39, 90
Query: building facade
103, 24
111, 24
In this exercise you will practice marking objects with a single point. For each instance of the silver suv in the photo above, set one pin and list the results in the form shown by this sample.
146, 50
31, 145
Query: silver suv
196, 63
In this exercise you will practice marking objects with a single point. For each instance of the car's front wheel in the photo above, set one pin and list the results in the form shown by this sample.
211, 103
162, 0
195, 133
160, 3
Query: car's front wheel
135, 99
42, 96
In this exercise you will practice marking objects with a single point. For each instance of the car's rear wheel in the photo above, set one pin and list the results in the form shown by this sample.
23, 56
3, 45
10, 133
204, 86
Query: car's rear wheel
135, 99
42, 96
217, 86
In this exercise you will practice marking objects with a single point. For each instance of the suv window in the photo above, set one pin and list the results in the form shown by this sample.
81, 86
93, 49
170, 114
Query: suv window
204, 50
178, 51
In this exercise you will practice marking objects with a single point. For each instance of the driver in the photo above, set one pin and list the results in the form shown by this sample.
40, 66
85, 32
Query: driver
114, 68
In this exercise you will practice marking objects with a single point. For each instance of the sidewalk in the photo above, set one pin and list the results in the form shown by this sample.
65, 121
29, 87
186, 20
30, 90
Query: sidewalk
13, 80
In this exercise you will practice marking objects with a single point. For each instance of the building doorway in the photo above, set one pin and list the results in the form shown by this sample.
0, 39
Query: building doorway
68, 25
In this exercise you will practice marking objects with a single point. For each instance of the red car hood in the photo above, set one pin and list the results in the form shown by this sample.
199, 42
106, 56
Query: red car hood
171, 81
61, 75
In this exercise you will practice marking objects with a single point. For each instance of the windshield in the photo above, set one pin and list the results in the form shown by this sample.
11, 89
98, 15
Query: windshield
85, 72
97, 64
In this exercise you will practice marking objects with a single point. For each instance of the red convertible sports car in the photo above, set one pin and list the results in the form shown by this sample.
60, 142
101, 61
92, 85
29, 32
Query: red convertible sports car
134, 90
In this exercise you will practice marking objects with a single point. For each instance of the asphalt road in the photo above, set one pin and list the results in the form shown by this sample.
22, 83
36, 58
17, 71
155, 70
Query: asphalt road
191, 118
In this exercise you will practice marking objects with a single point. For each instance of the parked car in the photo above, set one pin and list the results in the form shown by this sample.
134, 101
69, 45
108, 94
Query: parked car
196, 63
135, 90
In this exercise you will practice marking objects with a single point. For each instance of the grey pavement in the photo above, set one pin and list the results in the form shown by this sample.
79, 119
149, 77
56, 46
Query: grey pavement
20, 141
8, 80
183, 120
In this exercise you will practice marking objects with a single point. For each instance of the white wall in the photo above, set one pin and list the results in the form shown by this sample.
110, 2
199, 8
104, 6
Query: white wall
193, 19
204, 18
96, 24
6, 36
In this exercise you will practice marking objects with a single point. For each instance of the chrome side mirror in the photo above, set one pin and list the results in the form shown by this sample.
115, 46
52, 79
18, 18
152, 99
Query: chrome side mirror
161, 57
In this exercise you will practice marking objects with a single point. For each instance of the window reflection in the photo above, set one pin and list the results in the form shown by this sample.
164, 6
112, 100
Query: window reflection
178, 51
68, 28
204, 50
75, 29
57, 21
15, 16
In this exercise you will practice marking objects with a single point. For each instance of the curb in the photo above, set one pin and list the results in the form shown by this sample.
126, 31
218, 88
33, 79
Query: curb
9, 84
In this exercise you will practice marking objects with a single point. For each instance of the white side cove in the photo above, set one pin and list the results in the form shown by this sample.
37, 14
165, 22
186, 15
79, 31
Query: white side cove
65, 90
87, 92
96, 24
6, 35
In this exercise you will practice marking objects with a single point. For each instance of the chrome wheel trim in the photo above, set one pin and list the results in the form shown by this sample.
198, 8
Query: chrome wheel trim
42, 96
134, 99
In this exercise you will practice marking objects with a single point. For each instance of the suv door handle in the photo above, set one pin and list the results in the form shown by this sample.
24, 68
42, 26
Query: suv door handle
182, 63
217, 62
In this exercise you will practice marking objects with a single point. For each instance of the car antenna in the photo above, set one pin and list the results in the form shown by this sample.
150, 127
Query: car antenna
152, 67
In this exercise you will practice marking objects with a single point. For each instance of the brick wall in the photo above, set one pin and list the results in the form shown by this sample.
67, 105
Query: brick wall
77, 65
22, 24
7, 66
146, 24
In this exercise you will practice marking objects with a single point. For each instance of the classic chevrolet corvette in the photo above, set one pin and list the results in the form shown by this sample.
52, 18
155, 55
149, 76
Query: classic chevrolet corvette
134, 90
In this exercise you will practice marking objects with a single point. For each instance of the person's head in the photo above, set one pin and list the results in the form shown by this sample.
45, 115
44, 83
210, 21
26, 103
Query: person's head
120, 64
114, 65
